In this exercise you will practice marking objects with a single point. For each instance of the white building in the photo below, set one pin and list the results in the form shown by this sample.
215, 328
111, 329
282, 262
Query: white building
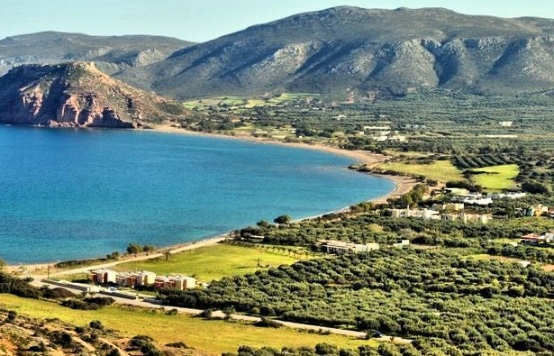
509, 195
342, 247
426, 214
478, 201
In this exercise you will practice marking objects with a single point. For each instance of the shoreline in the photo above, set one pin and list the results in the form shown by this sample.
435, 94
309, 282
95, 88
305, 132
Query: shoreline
402, 185
361, 156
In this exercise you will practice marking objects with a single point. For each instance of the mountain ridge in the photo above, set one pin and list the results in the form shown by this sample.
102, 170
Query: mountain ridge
112, 53
347, 49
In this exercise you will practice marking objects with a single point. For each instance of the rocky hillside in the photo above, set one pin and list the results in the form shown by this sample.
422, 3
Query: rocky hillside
368, 51
79, 95
21, 335
112, 53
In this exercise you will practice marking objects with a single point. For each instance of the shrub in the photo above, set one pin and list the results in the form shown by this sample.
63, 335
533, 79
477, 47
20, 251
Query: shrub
96, 324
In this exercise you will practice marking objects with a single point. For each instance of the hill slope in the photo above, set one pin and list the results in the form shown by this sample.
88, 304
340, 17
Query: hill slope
346, 48
78, 95
112, 52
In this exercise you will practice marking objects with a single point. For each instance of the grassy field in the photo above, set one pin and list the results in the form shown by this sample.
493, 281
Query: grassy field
497, 177
213, 337
214, 262
442, 171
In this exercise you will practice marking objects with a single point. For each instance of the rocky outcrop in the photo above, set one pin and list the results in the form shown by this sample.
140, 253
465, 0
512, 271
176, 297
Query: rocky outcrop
77, 95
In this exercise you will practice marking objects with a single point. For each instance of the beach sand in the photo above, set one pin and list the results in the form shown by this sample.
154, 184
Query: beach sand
358, 155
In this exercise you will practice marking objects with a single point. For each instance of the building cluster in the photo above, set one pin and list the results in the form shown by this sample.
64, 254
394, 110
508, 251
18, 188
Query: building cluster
141, 279
446, 212
463, 196
486, 200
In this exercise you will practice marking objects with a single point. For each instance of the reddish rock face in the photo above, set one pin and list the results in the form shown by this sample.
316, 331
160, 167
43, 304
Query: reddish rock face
75, 95
85, 111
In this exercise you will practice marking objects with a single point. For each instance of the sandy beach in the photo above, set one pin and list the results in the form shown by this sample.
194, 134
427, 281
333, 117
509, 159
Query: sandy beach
358, 155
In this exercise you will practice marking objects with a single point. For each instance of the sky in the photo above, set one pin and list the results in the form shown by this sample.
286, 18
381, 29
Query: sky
202, 20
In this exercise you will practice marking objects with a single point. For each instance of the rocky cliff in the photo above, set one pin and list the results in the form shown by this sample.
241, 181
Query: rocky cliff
79, 95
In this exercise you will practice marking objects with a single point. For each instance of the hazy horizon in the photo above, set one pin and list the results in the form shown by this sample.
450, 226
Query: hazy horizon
209, 19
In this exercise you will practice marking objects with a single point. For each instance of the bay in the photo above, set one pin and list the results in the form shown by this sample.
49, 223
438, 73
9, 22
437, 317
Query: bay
68, 194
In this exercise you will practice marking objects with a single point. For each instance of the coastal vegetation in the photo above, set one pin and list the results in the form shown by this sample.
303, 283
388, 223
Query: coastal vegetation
413, 294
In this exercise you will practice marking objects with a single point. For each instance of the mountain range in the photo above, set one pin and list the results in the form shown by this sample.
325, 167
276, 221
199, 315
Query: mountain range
341, 50
346, 49
111, 53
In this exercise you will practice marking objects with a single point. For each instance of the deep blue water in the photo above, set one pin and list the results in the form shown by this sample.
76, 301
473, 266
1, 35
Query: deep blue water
83, 193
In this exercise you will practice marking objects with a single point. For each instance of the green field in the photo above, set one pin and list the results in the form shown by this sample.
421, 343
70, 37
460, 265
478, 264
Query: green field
442, 171
211, 336
497, 177
214, 262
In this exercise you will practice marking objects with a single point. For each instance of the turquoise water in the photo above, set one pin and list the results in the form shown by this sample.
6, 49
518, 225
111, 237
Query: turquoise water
69, 194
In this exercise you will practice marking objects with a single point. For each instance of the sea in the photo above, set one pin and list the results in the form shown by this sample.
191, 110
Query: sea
82, 193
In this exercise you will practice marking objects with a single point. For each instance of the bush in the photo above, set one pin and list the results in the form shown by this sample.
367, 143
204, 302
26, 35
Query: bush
57, 293
283, 219
534, 188
96, 324
12, 315
267, 323
100, 301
